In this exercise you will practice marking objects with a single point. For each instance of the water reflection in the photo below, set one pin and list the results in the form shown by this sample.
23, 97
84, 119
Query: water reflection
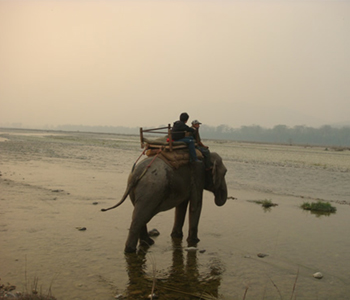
319, 214
183, 278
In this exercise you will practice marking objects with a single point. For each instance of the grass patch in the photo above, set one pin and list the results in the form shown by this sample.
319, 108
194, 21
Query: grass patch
8, 291
266, 203
319, 206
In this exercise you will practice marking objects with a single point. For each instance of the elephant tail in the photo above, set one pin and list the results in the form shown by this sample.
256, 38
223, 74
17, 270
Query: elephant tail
126, 194
132, 185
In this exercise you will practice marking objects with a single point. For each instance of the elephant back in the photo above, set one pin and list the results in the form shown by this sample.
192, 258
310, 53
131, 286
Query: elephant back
175, 158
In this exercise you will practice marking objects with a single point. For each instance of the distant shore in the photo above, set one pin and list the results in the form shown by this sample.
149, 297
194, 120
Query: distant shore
338, 146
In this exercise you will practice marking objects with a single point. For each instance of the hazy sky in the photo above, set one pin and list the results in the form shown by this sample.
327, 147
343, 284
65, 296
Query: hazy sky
142, 63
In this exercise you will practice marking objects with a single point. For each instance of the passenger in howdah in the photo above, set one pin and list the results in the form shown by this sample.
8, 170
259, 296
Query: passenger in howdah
200, 146
178, 133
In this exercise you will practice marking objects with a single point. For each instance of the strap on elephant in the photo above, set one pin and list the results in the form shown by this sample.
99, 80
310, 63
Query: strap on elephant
149, 165
143, 153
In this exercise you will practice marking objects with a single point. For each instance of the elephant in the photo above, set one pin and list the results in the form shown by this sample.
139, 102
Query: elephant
154, 186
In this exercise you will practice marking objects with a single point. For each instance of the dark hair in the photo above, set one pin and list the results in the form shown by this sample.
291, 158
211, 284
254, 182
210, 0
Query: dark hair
184, 117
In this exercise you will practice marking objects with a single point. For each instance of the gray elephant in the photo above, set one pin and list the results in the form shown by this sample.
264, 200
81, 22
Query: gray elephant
154, 186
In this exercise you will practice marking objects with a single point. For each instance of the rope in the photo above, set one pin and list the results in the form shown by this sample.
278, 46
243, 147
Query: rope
159, 150
149, 165
143, 152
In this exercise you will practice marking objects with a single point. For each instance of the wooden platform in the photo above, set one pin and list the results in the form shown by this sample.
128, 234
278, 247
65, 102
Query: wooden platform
160, 142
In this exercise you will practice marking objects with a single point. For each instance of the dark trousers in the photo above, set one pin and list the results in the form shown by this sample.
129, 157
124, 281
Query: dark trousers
206, 155
190, 143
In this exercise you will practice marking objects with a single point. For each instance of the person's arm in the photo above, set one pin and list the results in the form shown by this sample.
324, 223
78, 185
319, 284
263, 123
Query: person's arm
190, 129
199, 142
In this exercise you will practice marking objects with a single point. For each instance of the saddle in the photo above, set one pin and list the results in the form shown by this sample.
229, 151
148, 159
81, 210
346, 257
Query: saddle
176, 157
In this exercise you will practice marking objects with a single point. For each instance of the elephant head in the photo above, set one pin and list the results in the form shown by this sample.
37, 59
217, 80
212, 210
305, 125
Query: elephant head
218, 187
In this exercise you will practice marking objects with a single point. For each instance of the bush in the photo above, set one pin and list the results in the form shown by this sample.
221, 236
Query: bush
266, 203
319, 206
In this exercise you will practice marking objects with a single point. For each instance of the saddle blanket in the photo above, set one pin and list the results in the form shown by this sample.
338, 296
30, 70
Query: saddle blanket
175, 158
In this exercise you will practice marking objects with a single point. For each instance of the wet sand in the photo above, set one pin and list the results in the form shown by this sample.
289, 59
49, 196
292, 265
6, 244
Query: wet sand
53, 183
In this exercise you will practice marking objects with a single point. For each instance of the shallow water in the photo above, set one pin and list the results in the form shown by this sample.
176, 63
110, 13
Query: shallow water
310, 172
50, 181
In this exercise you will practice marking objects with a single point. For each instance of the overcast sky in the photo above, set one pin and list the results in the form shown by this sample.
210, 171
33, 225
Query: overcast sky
142, 63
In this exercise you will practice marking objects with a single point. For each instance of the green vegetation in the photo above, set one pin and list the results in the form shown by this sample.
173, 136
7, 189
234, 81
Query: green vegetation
319, 206
266, 203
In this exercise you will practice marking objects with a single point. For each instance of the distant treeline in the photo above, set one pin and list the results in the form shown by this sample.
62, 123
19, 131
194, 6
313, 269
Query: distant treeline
281, 134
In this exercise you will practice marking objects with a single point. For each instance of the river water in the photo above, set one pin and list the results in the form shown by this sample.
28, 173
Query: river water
54, 182
310, 172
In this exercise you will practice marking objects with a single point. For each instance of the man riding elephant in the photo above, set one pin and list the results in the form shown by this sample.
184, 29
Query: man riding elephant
178, 133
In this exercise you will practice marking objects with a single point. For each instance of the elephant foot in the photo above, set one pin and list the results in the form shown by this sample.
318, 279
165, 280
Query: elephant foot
128, 249
192, 242
147, 241
177, 235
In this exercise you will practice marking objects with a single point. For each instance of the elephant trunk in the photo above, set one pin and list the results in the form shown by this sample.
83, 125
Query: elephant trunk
221, 194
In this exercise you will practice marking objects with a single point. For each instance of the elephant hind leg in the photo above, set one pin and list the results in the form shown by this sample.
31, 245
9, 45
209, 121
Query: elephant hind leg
145, 238
130, 248
138, 230
133, 238
131, 243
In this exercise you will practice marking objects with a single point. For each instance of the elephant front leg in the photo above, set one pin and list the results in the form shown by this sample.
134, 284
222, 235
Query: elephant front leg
194, 215
180, 214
